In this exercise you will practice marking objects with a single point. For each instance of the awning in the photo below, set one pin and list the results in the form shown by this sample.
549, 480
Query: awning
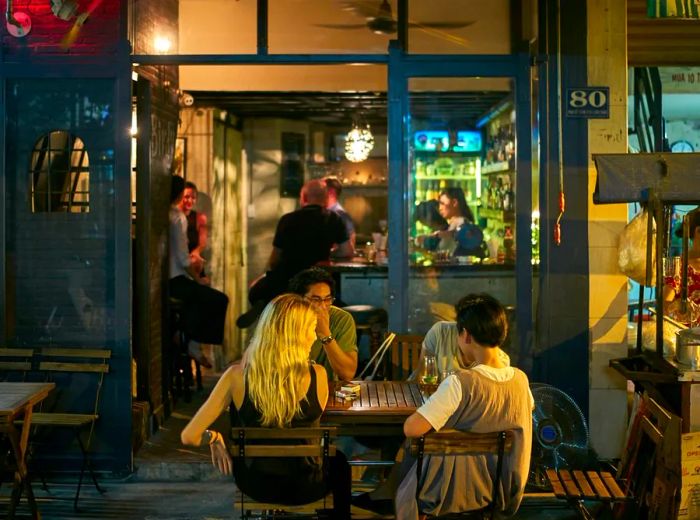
673, 177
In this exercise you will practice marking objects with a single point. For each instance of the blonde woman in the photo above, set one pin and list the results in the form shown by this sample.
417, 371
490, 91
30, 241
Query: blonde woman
277, 387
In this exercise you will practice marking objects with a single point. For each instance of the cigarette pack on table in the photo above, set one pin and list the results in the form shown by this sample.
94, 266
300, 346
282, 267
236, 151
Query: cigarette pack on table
351, 388
345, 395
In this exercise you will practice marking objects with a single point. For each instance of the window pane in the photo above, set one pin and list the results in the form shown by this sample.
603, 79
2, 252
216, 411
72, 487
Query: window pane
323, 26
448, 27
462, 194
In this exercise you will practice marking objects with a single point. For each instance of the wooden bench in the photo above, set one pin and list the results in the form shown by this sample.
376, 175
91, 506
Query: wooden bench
93, 362
574, 486
282, 443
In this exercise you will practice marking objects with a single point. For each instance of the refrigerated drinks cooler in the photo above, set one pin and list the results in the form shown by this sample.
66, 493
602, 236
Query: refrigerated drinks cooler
440, 163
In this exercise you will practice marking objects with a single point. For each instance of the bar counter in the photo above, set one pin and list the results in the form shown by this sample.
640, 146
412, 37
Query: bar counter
363, 283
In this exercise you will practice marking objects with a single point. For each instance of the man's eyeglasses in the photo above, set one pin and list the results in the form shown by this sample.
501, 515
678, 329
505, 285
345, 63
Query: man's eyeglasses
318, 299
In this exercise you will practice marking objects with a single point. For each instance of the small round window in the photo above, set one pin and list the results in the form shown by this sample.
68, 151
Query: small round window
60, 174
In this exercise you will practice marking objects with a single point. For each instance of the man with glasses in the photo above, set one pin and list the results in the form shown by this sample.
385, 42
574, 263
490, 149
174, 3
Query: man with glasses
336, 338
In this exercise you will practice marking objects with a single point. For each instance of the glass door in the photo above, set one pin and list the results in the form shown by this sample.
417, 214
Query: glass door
466, 193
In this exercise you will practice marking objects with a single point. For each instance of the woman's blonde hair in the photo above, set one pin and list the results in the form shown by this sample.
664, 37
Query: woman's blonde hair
279, 359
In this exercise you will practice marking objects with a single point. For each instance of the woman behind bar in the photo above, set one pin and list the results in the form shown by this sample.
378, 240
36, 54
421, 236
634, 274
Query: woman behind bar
276, 387
454, 209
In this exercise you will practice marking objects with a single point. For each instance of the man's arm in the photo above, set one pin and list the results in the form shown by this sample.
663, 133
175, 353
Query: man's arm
342, 349
416, 425
435, 413
344, 250
275, 256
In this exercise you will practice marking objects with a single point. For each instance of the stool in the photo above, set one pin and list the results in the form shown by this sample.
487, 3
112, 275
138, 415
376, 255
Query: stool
369, 320
180, 360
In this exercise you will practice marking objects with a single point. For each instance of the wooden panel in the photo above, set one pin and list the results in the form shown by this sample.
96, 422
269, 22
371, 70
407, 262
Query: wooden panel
264, 450
15, 365
583, 484
283, 433
569, 484
51, 366
600, 488
660, 42
62, 419
454, 442
16, 352
557, 486
612, 485
77, 352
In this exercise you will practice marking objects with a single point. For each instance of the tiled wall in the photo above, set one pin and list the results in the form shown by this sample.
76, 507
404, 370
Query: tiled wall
607, 66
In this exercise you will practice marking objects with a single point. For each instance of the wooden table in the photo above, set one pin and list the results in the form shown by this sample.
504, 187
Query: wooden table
17, 401
381, 408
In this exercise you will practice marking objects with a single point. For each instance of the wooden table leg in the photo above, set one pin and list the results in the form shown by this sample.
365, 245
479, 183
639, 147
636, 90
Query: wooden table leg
19, 441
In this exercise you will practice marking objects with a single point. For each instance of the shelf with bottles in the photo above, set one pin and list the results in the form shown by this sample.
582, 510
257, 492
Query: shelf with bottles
497, 214
497, 167
445, 177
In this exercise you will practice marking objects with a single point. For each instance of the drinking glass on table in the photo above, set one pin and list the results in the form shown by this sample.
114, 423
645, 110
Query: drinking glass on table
429, 378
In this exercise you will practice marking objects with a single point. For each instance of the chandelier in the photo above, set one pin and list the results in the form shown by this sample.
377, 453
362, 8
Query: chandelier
358, 143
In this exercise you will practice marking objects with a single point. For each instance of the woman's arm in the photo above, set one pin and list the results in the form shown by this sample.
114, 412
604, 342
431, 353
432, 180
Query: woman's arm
196, 433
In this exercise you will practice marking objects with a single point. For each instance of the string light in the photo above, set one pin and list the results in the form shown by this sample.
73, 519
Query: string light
358, 143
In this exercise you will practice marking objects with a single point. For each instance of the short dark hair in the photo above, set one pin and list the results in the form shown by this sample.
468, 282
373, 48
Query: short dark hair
484, 318
332, 183
301, 281
191, 185
177, 186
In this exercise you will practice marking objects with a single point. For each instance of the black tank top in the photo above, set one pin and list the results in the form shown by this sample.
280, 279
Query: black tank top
249, 416
192, 231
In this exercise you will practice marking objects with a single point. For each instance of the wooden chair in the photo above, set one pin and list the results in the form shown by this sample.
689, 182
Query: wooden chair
93, 362
15, 363
405, 355
283, 443
455, 442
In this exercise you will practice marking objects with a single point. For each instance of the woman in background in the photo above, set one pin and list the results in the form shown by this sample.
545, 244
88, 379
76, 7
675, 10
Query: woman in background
276, 386
462, 236
672, 284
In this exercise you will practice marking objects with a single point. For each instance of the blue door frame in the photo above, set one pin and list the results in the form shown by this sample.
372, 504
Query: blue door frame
402, 67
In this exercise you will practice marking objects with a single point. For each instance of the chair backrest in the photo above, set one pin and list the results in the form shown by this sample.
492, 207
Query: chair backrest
15, 363
405, 355
283, 442
455, 442
76, 360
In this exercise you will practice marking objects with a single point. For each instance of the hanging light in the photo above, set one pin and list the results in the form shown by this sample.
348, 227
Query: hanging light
358, 143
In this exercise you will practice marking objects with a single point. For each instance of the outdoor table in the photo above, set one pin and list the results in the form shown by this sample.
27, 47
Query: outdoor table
17, 401
381, 408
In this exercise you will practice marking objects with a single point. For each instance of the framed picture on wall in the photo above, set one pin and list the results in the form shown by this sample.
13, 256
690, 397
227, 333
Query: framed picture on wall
180, 157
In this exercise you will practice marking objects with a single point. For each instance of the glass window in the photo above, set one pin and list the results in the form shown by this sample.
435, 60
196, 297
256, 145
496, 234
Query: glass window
461, 193
448, 27
60, 174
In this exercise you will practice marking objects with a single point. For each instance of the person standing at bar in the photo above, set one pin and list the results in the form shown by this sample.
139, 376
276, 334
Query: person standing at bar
303, 238
335, 188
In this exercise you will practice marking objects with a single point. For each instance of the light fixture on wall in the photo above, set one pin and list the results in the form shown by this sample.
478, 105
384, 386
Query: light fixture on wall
18, 24
359, 142
68, 10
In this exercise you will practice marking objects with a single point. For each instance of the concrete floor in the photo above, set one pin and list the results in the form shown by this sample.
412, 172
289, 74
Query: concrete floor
171, 481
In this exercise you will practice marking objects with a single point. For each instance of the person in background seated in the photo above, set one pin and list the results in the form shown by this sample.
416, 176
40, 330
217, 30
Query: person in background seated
275, 387
442, 342
303, 238
335, 188
335, 346
487, 397
204, 308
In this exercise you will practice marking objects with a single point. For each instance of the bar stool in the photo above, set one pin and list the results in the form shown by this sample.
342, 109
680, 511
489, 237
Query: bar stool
369, 320
180, 360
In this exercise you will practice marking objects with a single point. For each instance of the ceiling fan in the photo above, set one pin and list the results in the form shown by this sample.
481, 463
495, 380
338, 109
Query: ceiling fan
380, 20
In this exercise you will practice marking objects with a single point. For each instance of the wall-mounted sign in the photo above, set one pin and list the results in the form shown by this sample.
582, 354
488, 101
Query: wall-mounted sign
680, 80
588, 102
